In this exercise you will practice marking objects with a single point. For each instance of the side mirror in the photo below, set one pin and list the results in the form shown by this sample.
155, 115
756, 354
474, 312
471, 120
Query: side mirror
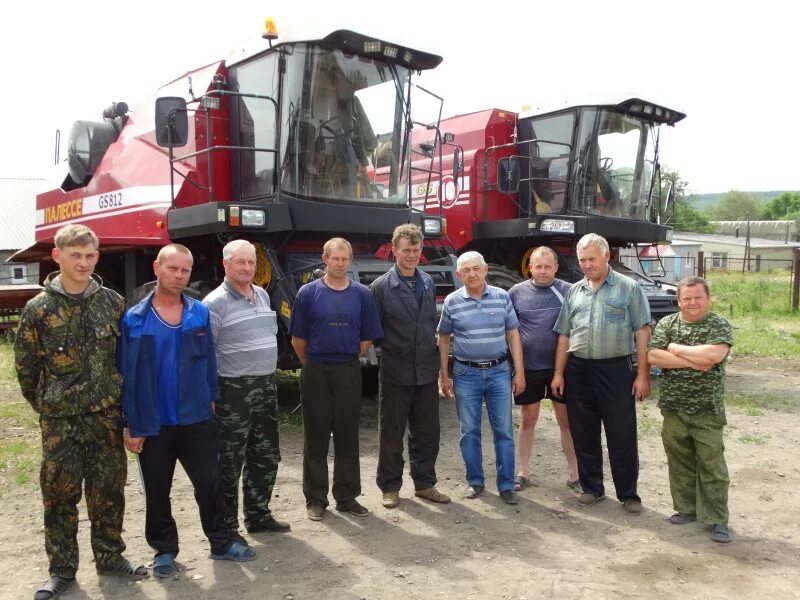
172, 122
508, 175
458, 163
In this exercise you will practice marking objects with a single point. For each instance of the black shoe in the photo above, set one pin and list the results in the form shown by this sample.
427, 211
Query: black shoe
315, 511
509, 497
352, 507
473, 491
269, 524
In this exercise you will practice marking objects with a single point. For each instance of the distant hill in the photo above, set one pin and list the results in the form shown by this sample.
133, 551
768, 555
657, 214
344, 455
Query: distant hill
704, 201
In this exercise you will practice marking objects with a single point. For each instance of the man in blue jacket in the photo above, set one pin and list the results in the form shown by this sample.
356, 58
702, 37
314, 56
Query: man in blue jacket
169, 367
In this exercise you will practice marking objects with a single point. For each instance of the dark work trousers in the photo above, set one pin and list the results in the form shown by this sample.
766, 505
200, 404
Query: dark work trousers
196, 446
331, 400
599, 391
417, 405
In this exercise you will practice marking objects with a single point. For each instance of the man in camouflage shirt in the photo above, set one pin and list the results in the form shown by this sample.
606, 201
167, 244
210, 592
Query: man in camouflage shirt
691, 346
65, 353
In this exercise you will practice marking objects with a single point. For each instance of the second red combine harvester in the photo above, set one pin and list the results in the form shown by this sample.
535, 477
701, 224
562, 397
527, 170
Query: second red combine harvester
520, 182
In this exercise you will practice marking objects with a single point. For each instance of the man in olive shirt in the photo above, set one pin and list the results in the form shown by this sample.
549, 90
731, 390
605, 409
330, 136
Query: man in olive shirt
601, 317
691, 346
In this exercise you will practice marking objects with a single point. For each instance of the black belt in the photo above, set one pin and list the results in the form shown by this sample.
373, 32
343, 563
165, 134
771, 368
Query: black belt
484, 364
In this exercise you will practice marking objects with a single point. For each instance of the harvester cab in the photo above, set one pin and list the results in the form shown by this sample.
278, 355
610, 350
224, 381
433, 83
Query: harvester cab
550, 178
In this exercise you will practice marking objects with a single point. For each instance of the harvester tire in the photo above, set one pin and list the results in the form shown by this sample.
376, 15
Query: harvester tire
502, 277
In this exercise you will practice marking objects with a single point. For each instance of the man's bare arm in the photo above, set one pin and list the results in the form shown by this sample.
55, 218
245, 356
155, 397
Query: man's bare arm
704, 354
557, 385
445, 383
515, 345
641, 385
666, 360
300, 345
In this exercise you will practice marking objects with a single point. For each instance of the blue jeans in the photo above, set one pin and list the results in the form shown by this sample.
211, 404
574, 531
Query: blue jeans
472, 386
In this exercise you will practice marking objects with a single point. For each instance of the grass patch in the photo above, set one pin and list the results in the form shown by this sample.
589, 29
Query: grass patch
19, 462
647, 425
749, 438
17, 413
755, 405
7, 371
758, 305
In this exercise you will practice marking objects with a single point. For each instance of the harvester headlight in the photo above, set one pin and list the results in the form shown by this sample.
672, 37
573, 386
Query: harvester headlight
432, 226
372, 46
390, 51
557, 226
252, 217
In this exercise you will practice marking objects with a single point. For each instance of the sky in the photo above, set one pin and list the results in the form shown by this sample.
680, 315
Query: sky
733, 71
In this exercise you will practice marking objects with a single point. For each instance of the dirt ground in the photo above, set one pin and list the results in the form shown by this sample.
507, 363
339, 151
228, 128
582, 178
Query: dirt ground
546, 547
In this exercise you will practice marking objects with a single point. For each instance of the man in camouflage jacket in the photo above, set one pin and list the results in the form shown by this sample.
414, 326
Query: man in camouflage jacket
691, 346
65, 353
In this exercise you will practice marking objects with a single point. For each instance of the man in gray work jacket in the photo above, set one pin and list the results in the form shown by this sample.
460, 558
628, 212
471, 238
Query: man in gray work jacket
409, 393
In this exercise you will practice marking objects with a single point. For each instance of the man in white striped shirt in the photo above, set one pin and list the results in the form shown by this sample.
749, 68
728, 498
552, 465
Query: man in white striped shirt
244, 327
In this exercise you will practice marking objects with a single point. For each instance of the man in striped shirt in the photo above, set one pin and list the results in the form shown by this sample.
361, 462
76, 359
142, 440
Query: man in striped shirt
244, 329
483, 326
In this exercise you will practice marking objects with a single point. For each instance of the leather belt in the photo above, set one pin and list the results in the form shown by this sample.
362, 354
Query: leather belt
484, 364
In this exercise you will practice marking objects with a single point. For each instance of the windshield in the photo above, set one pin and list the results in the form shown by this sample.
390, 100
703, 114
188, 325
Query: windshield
614, 165
344, 116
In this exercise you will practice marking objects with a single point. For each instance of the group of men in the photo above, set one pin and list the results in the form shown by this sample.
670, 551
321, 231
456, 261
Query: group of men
173, 379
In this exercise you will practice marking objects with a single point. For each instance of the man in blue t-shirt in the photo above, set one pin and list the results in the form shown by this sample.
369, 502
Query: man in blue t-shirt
537, 303
334, 321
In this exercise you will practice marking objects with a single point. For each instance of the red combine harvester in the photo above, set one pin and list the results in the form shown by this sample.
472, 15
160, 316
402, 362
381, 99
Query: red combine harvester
519, 182
278, 146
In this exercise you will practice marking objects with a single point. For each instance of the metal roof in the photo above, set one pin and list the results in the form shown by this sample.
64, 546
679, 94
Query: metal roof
18, 218
715, 238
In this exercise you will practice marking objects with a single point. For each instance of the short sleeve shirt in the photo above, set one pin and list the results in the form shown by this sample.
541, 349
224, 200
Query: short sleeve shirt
537, 309
689, 390
334, 322
600, 323
478, 327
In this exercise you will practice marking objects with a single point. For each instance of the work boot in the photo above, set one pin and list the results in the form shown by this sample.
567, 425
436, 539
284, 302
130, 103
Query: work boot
433, 495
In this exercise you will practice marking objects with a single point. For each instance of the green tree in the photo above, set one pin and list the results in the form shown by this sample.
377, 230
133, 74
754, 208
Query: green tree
738, 206
683, 215
785, 206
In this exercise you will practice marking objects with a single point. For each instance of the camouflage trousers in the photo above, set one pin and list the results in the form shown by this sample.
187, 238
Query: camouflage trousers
698, 474
82, 451
247, 412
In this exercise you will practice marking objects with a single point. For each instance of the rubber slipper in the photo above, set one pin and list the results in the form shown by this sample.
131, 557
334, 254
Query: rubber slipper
681, 518
164, 565
124, 569
521, 482
236, 553
721, 534
53, 588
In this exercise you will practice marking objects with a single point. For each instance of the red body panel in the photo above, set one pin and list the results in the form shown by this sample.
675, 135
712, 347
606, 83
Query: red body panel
127, 199
474, 197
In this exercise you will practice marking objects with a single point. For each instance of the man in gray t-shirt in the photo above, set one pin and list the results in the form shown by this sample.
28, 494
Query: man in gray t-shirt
244, 328
537, 303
